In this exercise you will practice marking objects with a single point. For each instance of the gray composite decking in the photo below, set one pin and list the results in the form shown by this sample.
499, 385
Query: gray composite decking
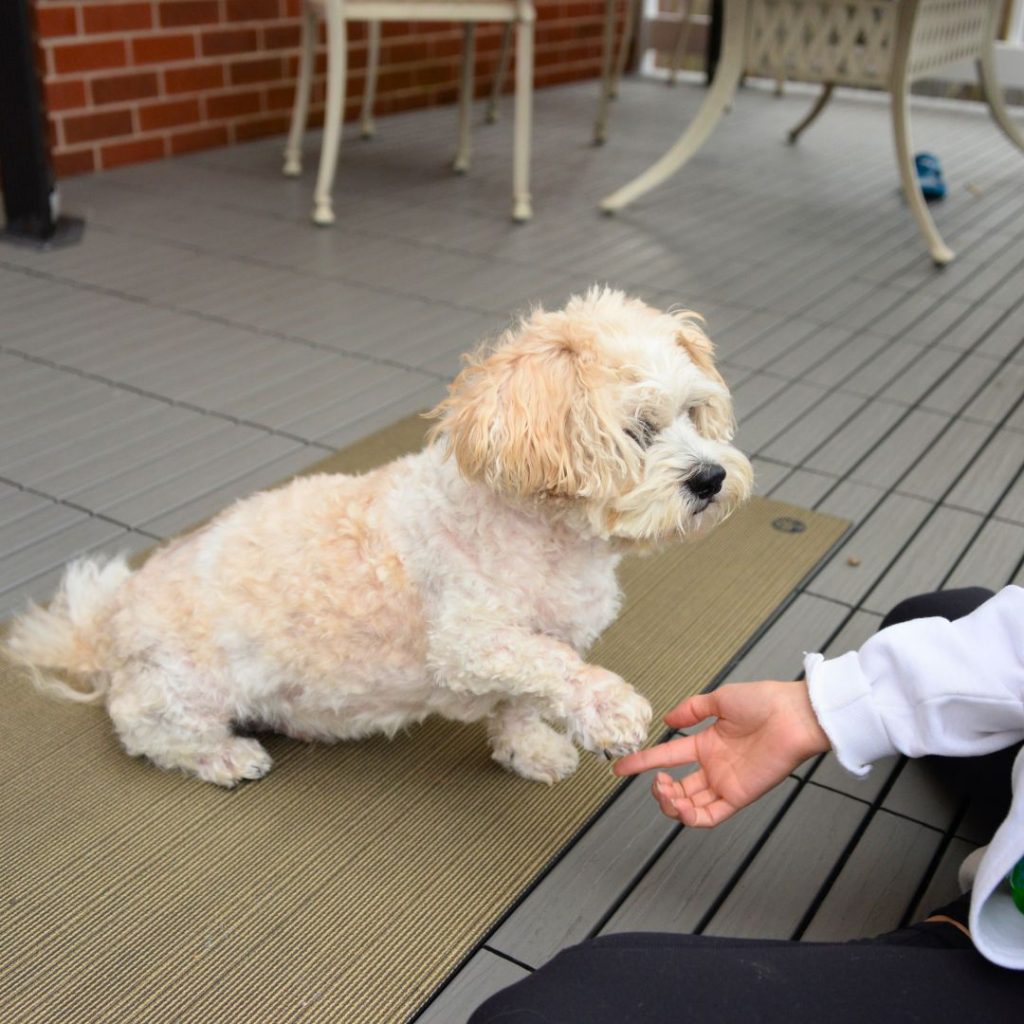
205, 340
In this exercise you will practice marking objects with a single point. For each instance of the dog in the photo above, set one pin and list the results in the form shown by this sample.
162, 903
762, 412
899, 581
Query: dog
465, 580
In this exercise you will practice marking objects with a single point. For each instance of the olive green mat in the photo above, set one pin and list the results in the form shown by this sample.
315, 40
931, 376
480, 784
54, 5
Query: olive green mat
352, 880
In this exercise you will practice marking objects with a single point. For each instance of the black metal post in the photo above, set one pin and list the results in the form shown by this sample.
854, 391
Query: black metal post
31, 201
713, 49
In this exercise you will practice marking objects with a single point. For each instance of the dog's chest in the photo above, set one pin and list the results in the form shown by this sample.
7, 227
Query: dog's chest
573, 596
466, 549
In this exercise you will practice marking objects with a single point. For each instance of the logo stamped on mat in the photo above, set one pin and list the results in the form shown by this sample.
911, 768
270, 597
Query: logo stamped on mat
786, 524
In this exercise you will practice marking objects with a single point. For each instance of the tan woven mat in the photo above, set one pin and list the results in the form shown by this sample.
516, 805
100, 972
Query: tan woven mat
350, 882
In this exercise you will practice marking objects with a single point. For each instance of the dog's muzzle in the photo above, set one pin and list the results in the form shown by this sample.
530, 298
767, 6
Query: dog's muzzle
706, 482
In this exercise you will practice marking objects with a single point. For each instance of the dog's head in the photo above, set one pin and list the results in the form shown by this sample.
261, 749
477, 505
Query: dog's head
609, 406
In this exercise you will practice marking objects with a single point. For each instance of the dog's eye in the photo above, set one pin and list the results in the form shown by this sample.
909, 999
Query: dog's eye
642, 432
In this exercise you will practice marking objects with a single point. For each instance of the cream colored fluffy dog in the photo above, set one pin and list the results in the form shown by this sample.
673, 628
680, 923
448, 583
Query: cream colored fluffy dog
464, 580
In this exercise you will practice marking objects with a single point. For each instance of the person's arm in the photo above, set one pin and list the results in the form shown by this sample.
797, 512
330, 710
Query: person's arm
924, 686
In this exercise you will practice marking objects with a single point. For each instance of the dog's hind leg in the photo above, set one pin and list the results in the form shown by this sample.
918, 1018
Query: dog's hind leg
525, 744
162, 724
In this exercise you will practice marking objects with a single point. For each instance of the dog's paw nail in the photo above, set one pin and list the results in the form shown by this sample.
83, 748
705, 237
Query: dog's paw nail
613, 753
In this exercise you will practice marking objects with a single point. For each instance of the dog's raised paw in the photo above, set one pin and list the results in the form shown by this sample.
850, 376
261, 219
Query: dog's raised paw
608, 716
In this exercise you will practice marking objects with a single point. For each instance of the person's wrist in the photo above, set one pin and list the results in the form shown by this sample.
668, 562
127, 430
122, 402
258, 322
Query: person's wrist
814, 740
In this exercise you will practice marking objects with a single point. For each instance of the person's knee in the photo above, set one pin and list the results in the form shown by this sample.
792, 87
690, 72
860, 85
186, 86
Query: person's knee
945, 604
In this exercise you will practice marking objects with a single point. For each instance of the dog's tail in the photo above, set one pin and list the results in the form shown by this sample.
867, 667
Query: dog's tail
68, 634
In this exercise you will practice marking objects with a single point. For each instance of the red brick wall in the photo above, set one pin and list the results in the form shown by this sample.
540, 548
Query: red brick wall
133, 80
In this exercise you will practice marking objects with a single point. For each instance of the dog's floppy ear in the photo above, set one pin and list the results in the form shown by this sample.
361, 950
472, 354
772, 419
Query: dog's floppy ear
714, 417
522, 418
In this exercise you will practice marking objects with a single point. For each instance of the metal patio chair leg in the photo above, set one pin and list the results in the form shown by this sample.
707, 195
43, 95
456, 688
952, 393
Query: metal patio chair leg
323, 205
812, 115
522, 209
607, 73
719, 97
501, 74
462, 153
624, 44
300, 108
367, 128
940, 252
994, 97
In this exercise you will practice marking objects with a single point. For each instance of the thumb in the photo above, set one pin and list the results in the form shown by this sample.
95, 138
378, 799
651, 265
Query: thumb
692, 710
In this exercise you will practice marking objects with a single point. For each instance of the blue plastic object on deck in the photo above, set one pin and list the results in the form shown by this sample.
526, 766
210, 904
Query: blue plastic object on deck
929, 174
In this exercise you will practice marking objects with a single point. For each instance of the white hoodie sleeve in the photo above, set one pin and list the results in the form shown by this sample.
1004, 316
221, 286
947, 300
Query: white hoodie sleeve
926, 686
929, 686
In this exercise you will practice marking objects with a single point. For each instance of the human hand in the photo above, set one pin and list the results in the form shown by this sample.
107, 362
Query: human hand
764, 730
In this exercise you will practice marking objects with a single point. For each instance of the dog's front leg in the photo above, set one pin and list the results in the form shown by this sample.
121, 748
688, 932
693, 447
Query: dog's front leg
524, 743
600, 710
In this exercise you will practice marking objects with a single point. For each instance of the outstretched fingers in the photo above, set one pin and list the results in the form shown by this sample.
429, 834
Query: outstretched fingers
681, 750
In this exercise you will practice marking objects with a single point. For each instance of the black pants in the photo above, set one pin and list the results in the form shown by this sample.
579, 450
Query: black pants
986, 779
929, 972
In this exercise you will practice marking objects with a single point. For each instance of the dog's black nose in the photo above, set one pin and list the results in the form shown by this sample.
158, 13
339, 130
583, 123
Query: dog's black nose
706, 482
